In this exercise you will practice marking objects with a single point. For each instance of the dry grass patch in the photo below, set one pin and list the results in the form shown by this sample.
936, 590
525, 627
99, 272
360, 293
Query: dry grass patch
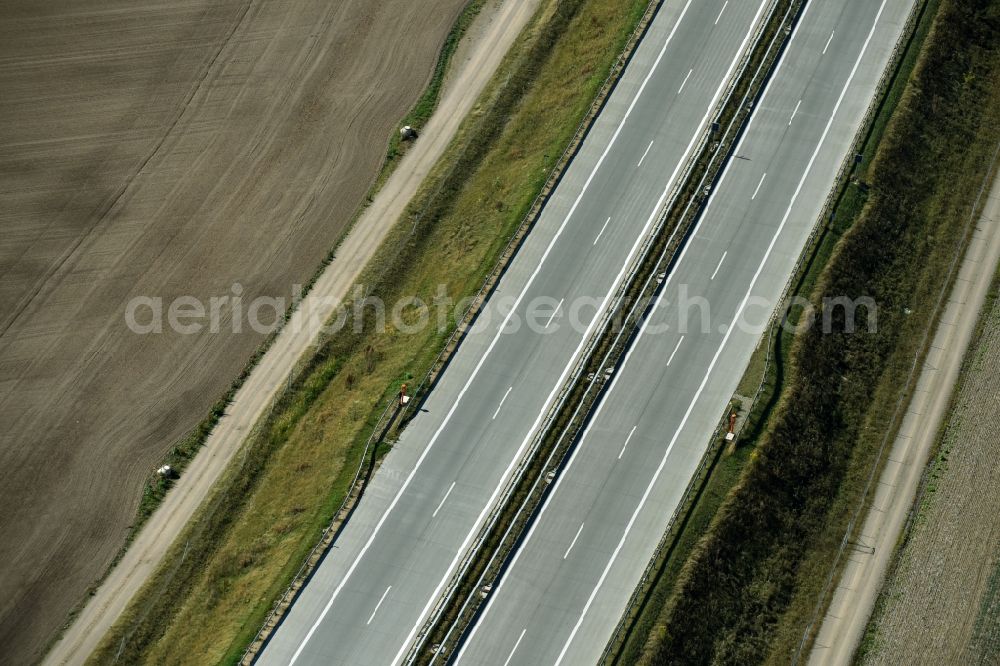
750, 586
240, 553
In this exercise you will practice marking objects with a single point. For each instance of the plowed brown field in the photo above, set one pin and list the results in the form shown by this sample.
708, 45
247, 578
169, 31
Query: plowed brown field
161, 150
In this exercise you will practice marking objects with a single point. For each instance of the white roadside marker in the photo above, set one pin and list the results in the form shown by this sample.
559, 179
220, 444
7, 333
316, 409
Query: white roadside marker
757, 191
554, 313
724, 5
828, 42
511, 655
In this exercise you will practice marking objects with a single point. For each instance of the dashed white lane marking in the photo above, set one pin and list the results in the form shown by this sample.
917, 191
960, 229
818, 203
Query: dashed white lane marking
724, 5
482, 359
725, 340
757, 191
659, 203
828, 42
554, 312
573, 542
685, 81
404, 647
627, 439
443, 500
509, 389
511, 655
796, 110
643, 158
674, 352
720, 265
384, 595
601, 232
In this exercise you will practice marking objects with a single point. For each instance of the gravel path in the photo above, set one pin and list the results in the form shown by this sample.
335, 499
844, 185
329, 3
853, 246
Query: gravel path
935, 596
867, 563
495, 32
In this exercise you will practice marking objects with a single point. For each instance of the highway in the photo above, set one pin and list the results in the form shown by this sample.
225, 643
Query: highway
373, 591
569, 582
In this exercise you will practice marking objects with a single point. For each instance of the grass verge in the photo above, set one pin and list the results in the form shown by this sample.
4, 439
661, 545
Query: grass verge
181, 454
612, 340
764, 379
236, 557
935, 471
183, 451
747, 588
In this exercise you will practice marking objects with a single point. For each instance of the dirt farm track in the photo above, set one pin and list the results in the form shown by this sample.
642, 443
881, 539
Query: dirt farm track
161, 149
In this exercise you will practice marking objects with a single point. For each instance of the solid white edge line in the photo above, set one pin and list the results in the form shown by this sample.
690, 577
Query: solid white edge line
625, 362
443, 499
674, 353
509, 389
725, 340
601, 232
573, 542
643, 158
475, 373
724, 5
514, 649
583, 341
716, 272
378, 605
614, 381
684, 82
627, 440
554, 312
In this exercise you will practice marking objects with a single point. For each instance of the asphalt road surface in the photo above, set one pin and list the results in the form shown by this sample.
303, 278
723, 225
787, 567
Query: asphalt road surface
162, 150
559, 601
374, 590
475, 63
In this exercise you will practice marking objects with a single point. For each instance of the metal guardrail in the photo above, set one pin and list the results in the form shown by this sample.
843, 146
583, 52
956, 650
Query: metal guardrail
534, 212
606, 89
475, 306
429, 379
775, 49
843, 175
316, 554
607, 318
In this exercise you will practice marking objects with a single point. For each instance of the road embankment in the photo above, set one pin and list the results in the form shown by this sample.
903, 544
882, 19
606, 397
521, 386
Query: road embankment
237, 557
748, 591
